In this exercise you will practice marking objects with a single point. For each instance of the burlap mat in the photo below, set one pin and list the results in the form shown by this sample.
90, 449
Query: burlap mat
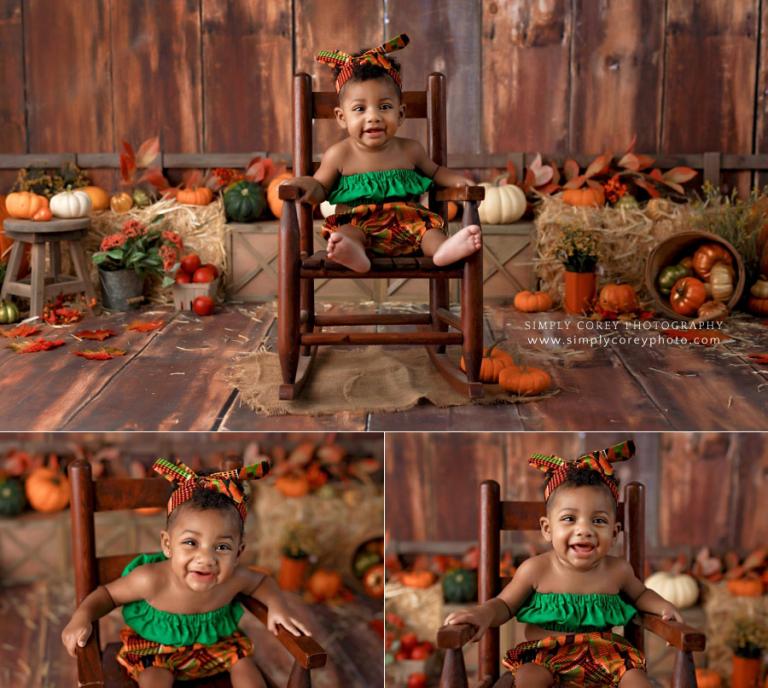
362, 380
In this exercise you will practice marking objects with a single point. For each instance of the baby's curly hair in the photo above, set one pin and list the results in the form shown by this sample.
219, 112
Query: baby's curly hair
204, 499
583, 476
366, 71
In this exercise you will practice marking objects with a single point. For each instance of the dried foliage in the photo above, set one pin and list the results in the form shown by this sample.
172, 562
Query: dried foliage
48, 182
104, 353
145, 325
33, 346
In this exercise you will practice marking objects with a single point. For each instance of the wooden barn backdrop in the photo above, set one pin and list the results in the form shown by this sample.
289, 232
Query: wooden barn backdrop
702, 489
551, 75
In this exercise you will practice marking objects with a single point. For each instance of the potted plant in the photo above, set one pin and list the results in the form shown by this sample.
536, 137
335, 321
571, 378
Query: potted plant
128, 256
577, 250
298, 543
748, 639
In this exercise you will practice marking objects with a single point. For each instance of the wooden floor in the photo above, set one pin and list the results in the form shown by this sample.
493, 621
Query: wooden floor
173, 379
31, 654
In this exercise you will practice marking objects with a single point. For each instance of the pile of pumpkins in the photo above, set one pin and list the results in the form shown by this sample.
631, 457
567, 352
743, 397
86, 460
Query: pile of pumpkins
27, 205
45, 489
700, 285
498, 367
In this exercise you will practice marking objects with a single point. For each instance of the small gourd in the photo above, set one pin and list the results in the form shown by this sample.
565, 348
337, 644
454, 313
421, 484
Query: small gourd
69, 204
588, 196
532, 301
244, 201
11, 497
460, 586
273, 199
121, 202
618, 298
292, 485
9, 312
99, 197
24, 204
524, 380
324, 584
201, 195
721, 281
503, 203
745, 587
47, 489
680, 589
494, 360
760, 288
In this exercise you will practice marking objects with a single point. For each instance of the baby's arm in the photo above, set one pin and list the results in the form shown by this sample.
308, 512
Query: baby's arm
100, 602
265, 589
645, 599
442, 176
498, 610
317, 187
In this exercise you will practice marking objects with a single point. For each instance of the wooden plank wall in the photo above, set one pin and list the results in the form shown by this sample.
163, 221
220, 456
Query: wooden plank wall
701, 488
554, 75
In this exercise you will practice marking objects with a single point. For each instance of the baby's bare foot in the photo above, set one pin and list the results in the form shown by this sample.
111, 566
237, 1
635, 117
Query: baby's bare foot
462, 244
347, 252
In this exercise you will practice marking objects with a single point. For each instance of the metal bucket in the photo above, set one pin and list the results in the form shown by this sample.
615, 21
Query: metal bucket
122, 290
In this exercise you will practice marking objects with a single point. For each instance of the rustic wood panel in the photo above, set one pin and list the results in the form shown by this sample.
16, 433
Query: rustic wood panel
442, 42
69, 76
525, 73
348, 25
616, 71
247, 63
749, 524
761, 104
155, 49
13, 128
710, 72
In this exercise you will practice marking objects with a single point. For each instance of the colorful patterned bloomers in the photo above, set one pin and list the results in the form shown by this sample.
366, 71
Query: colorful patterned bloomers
586, 660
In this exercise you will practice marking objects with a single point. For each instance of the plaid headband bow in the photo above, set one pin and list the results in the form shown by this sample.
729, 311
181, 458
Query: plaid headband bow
600, 461
374, 56
225, 482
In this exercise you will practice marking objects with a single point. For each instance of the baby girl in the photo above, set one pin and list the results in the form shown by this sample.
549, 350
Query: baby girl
572, 596
374, 176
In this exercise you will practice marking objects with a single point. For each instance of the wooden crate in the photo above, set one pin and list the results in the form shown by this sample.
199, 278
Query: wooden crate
252, 254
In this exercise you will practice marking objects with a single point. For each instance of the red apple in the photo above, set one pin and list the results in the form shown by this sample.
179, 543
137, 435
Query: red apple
203, 305
190, 263
183, 277
204, 274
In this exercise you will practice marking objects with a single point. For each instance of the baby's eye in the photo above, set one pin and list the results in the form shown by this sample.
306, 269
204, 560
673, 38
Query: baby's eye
223, 548
357, 108
386, 106
188, 543
601, 521
567, 518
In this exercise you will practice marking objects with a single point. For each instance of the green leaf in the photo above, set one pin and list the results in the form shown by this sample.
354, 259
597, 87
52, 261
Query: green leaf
115, 253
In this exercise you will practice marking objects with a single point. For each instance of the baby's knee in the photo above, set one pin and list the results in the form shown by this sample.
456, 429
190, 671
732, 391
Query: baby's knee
245, 674
533, 676
635, 678
155, 677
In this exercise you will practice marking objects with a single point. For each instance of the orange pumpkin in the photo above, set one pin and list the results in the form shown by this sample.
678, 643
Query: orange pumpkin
532, 301
745, 587
588, 196
273, 200
324, 584
293, 485
687, 295
121, 202
200, 195
47, 489
5, 243
24, 204
42, 215
99, 197
417, 579
525, 380
707, 255
618, 298
494, 360
757, 305
707, 678
453, 210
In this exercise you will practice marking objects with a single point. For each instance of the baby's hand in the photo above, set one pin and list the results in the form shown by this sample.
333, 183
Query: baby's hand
280, 615
669, 613
75, 634
466, 182
314, 192
480, 616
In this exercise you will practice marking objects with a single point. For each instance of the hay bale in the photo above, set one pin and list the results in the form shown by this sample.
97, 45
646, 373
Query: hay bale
721, 609
202, 228
342, 517
420, 608
625, 237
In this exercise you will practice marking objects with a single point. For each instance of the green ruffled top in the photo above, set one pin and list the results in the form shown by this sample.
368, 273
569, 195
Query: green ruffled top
379, 186
569, 613
178, 629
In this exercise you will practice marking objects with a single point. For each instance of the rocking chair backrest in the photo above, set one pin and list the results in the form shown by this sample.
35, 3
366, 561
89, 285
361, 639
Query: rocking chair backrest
308, 106
496, 516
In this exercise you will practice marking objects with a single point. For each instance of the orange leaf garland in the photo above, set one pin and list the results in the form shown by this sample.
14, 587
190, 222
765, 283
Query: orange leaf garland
145, 325
35, 345
762, 359
21, 331
96, 335
105, 353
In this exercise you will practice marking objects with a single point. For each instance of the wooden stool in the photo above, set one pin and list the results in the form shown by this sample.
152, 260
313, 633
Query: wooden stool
40, 286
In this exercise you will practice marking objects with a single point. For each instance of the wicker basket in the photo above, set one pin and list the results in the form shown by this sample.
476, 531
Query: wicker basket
673, 250
185, 294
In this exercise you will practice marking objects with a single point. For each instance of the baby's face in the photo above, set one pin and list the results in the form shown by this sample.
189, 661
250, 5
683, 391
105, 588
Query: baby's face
581, 525
370, 111
204, 547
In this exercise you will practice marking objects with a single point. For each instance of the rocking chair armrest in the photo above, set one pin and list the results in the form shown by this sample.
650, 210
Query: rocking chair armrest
89, 669
289, 192
304, 648
460, 193
685, 638
455, 636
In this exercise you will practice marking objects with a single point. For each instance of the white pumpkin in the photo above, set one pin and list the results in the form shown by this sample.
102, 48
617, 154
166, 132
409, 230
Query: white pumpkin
680, 589
503, 204
71, 204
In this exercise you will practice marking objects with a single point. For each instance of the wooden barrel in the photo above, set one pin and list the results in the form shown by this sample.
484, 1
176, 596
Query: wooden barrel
672, 250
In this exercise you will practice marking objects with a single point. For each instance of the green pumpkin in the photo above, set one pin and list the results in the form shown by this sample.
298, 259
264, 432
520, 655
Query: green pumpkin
244, 201
9, 312
12, 498
460, 585
627, 201
363, 561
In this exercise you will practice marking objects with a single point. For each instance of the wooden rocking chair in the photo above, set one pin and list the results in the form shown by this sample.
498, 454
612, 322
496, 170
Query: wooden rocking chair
300, 328
96, 668
495, 516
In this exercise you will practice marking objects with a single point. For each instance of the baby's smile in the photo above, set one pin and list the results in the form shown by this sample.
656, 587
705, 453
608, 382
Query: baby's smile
582, 549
